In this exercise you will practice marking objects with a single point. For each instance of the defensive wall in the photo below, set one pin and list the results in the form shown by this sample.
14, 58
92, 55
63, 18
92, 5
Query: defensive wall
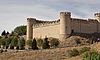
63, 27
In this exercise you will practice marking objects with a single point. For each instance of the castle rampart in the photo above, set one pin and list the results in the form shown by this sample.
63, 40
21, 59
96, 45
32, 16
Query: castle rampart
63, 27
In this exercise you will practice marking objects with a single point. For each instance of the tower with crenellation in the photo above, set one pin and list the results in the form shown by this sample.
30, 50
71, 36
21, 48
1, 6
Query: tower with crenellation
63, 27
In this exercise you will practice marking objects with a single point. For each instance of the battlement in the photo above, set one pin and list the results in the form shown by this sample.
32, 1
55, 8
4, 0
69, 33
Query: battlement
30, 19
40, 23
65, 13
63, 27
84, 20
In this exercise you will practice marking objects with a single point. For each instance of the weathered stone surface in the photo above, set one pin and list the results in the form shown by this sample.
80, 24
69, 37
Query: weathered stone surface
63, 27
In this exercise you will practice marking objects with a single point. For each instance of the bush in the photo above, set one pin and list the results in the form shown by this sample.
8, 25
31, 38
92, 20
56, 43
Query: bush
40, 42
91, 55
75, 42
54, 42
84, 49
21, 43
7, 42
73, 52
45, 44
29, 43
14, 42
34, 44
2, 42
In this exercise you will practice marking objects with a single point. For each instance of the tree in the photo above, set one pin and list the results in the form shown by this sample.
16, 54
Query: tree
20, 30
7, 33
21, 43
14, 42
7, 42
3, 33
2, 42
34, 44
45, 43
29, 43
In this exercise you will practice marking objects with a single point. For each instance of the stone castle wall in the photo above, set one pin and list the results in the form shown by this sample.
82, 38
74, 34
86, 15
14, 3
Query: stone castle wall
41, 29
49, 31
85, 26
62, 27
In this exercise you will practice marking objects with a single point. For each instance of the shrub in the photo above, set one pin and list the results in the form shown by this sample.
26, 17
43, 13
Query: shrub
73, 52
14, 42
76, 42
40, 42
21, 43
7, 42
54, 42
2, 42
45, 44
84, 49
91, 55
29, 43
34, 44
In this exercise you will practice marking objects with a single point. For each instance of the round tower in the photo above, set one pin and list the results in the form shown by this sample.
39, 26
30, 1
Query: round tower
97, 16
65, 25
30, 28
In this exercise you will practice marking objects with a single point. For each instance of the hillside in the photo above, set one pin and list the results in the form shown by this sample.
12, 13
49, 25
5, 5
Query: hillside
45, 54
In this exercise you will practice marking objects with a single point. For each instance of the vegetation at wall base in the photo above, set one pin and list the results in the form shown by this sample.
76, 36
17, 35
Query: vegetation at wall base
34, 44
91, 55
21, 43
73, 52
84, 49
54, 42
29, 43
45, 43
39, 42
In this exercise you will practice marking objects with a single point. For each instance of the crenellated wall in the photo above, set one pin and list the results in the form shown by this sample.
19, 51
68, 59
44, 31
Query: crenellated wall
46, 28
85, 26
63, 27
40, 23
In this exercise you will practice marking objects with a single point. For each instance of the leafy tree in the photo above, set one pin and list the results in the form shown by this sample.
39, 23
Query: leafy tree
2, 42
45, 43
21, 43
14, 42
7, 42
34, 44
3, 33
54, 42
20, 30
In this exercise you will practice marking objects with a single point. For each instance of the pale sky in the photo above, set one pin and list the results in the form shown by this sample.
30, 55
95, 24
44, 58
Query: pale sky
14, 12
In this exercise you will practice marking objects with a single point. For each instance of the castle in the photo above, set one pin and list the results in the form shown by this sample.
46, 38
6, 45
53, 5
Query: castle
63, 27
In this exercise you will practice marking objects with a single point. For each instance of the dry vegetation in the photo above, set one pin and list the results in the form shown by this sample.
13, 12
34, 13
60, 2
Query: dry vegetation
46, 54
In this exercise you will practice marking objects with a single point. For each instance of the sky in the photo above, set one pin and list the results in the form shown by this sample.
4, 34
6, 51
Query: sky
14, 13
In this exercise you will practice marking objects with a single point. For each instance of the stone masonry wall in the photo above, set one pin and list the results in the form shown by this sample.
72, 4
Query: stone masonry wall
49, 31
85, 26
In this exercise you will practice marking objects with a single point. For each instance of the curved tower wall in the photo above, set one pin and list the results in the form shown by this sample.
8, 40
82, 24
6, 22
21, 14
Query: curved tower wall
65, 25
97, 16
30, 28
